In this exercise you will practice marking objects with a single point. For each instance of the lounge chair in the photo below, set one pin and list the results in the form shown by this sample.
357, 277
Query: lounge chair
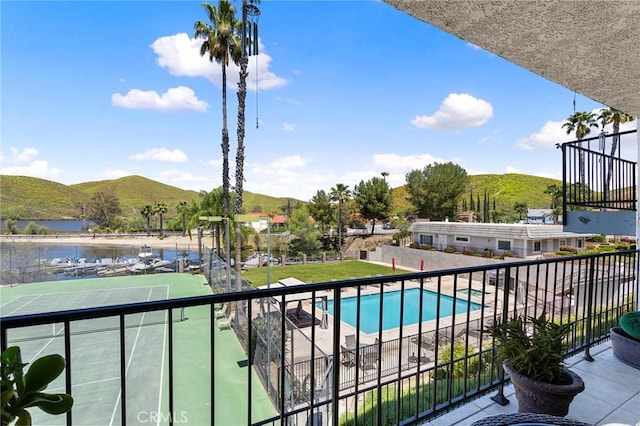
225, 323
426, 341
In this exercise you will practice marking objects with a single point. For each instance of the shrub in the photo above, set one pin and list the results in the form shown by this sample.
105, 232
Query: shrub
597, 239
426, 247
414, 245
569, 249
469, 252
449, 250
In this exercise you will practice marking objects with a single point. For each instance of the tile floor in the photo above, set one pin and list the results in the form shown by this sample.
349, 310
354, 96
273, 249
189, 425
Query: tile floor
611, 395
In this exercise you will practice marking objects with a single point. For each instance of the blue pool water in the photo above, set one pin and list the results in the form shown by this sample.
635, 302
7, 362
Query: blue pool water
370, 309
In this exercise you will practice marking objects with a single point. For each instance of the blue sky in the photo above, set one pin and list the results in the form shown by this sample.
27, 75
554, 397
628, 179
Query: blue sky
345, 90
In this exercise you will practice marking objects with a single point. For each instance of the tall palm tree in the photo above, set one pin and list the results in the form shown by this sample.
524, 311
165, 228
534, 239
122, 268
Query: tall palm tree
615, 117
147, 212
223, 44
160, 208
581, 123
183, 210
244, 30
340, 193
555, 191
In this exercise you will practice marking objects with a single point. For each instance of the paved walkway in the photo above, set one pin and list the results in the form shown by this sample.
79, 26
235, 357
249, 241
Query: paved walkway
611, 395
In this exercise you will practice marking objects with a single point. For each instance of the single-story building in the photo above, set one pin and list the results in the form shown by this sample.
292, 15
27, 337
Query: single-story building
521, 240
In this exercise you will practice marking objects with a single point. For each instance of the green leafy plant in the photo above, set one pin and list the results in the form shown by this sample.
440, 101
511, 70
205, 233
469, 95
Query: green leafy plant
537, 353
25, 390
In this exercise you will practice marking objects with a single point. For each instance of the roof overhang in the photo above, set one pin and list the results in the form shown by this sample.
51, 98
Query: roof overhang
589, 46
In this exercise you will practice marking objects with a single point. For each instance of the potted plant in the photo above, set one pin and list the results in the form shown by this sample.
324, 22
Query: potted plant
534, 361
21, 391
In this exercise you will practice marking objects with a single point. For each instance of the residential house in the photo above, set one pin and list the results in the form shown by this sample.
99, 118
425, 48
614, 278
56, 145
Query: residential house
540, 216
521, 240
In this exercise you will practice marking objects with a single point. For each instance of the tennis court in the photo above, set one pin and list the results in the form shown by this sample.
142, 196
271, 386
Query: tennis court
95, 349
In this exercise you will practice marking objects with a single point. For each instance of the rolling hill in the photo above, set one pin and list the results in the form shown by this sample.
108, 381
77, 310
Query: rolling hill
33, 198
25, 197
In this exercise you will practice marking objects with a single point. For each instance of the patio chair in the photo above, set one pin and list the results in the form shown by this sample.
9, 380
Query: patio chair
369, 356
350, 341
222, 311
426, 341
348, 356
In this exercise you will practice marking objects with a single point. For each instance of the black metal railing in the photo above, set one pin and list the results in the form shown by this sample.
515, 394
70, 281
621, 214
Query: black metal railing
395, 372
595, 175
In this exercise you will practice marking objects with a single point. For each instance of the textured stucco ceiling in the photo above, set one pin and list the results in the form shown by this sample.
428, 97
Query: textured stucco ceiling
591, 47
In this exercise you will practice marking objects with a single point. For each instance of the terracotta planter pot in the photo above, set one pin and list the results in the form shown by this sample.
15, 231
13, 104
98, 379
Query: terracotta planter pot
625, 347
544, 398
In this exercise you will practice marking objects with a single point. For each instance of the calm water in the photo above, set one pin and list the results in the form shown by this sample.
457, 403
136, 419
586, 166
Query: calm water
370, 309
14, 256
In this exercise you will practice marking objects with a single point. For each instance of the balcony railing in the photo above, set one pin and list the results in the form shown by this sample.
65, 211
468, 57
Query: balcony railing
417, 354
596, 175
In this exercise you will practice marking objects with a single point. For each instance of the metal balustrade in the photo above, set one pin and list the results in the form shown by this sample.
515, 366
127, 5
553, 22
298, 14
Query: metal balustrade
393, 375
595, 174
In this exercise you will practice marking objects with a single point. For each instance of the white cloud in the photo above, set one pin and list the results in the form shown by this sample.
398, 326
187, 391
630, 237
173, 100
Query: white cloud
288, 127
175, 99
24, 163
393, 163
180, 55
457, 111
162, 155
511, 169
546, 138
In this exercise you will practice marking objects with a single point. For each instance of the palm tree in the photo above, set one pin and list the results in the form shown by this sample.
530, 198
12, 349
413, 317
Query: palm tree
614, 117
520, 208
555, 191
340, 193
160, 208
147, 212
581, 123
222, 44
183, 209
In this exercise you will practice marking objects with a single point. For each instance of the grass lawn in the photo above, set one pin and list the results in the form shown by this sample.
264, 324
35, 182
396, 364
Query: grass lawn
319, 272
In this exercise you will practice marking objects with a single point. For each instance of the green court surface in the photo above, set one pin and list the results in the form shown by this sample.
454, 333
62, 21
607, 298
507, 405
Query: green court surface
95, 348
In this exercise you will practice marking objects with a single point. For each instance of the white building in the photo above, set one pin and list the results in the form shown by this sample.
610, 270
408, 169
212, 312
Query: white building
522, 240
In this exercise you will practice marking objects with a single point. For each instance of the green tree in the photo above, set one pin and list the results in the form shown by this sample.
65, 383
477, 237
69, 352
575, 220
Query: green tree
520, 208
183, 210
555, 191
306, 236
373, 199
160, 208
614, 117
436, 190
580, 123
340, 194
147, 212
222, 44
321, 210
103, 208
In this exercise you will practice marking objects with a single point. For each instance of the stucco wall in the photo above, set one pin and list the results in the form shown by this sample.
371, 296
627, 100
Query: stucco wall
433, 260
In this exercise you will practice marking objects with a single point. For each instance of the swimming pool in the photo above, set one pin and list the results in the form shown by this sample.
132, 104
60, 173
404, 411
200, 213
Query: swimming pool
370, 308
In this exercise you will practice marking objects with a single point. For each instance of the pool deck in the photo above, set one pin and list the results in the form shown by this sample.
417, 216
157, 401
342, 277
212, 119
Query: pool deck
324, 337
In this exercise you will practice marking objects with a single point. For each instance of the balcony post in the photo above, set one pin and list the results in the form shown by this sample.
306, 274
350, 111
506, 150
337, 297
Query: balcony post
499, 397
590, 289
335, 397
